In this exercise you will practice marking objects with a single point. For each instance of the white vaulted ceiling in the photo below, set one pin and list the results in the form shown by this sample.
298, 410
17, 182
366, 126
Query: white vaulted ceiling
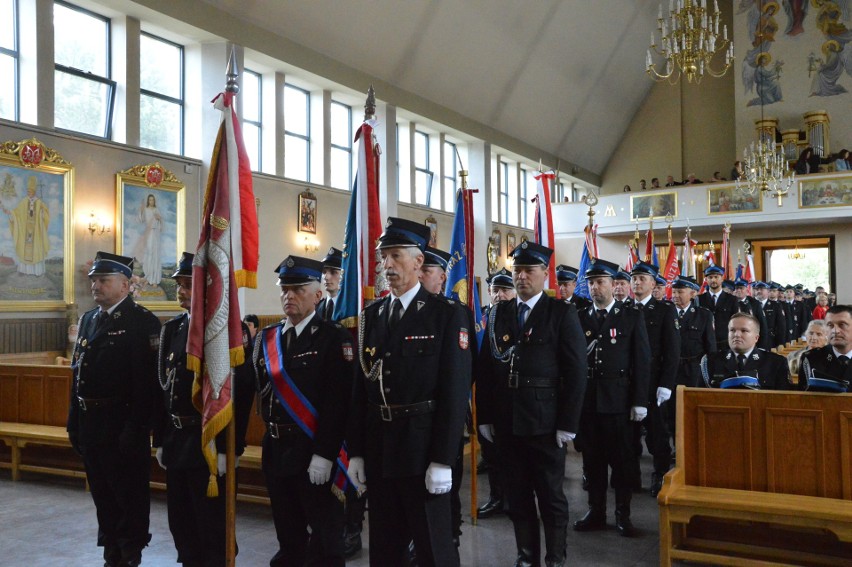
564, 76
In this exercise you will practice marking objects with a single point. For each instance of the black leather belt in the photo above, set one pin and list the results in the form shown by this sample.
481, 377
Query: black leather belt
516, 382
276, 430
181, 421
389, 413
90, 403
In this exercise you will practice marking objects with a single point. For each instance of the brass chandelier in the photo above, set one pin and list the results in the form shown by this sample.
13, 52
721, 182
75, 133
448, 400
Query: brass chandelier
689, 39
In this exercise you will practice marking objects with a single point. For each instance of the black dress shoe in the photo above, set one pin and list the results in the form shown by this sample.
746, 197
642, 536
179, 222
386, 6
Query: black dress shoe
593, 520
412, 554
524, 560
585, 482
351, 545
490, 508
624, 526
560, 563
656, 484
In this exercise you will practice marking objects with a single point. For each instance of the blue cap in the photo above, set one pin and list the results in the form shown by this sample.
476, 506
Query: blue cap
295, 270
645, 268
404, 233
714, 270
333, 259
740, 282
622, 275
728, 284
685, 282
503, 278
184, 267
435, 257
566, 273
601, 268
107, 264
759, 285
775, 286
531, 254
660, 280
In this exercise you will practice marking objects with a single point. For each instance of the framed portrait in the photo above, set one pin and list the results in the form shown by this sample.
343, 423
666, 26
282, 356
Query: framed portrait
36, 224
495, 238
150, 228
825, 192
432, 223
728, 200
525, 238
511, 242
660, 204
307, 212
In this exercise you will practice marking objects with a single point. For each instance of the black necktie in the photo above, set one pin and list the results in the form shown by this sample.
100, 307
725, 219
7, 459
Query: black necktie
680, 313
100, 319
843, 360
290, 337
741, 361
522, 314
601, 315
329, 308
395, 313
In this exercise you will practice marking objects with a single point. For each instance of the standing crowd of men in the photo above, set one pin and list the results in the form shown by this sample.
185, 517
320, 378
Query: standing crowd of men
382, 415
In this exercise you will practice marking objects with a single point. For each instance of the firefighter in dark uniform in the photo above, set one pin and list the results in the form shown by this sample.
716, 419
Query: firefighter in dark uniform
720, 303
697, 341
616, 394
663, 328
332, 269
530, 385
620, 288
776, 321
501, 288
197, 522
566, 277
827, 369
304, 375
743, 364
797, 317
409, 403
114, 369
750, 305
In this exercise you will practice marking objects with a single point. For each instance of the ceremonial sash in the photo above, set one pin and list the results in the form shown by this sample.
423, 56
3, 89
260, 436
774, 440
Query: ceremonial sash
295, 402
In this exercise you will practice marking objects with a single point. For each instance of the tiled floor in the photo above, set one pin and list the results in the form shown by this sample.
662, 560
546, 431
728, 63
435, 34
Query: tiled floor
47, 521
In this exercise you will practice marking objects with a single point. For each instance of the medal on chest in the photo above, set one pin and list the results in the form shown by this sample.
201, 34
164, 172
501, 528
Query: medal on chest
612, 333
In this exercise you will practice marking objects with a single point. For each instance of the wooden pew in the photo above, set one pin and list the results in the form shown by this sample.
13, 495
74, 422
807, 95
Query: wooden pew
762, 478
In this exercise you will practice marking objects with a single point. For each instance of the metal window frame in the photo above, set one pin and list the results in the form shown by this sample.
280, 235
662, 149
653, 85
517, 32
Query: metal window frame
15, 54
111, 85
179, 102
523, 197
454, 170
347, 149
304, 137
96, 16
427, 170
503, 191
259, 122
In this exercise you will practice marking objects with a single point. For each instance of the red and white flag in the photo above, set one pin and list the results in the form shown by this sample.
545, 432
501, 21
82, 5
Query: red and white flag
726, 251
687, 265
672, 269
543, 225
226, 259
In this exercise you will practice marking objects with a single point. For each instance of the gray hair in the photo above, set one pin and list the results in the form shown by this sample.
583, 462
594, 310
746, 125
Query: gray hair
816, 323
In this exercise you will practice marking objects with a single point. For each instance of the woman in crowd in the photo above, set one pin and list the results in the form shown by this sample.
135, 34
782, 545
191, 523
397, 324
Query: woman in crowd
821, 306
842, 163
817, 337
737, 172
626, 189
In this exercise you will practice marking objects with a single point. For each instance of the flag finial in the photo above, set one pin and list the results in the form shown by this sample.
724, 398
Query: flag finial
591, 200
463, 175
370, 105
232, 86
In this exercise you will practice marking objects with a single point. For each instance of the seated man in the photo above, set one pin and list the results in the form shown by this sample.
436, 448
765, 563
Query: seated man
742, 364
827, 369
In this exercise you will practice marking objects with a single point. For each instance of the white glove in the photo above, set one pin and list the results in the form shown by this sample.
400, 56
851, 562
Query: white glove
356, 474
487, 432
663, 395
160, 458
638, 413
562, 437
439, 478
319, 470
221, 461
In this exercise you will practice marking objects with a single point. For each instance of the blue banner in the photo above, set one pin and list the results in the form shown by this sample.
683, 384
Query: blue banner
348, 304
582, 288
458, 287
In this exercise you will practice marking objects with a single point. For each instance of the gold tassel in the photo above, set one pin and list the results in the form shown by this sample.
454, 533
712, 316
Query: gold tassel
212, 486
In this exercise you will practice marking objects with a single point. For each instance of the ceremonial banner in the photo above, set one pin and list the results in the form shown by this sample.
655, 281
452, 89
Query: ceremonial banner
672, 269
590, 253
226, 258
460, 281
726, 251
687, 266
361, 280
543, 229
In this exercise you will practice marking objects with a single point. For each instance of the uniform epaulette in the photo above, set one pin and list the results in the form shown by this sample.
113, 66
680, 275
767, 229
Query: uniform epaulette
273, 325
443, 298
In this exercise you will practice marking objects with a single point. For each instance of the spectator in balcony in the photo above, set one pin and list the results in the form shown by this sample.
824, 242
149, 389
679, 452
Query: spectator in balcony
670, 182
843, 163
626, 189
642, 186
692, 180
655, 183
717, 177
737, 172
808, 162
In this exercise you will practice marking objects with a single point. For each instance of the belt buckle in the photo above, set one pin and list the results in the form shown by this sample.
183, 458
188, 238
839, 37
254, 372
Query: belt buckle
82, 403
513, 380
273, 430
177, 422
387, 413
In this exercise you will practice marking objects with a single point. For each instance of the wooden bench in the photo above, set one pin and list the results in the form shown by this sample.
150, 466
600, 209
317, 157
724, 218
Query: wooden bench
762, 478
18, 435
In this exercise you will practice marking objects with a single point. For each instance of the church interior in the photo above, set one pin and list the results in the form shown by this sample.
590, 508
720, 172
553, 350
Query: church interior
106, 114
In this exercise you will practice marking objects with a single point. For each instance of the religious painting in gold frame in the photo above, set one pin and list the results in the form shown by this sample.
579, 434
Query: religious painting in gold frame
660, 204
307, 212
36, 228
825, 192
432, 223
731, 200
150, 227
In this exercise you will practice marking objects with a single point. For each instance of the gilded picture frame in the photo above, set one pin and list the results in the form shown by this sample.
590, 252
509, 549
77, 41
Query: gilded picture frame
36, 228
511, 242
730, 200
825, 192
307, 212
432, 223
660, 204
150, 227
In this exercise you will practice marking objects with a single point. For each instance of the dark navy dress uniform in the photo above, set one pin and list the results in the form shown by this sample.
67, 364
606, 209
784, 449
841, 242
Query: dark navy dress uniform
319, 360
769, 368
833, 371
776, 321
197, 522
798, 318
114, 369
528, 396
619, 373
752, 306
722, 310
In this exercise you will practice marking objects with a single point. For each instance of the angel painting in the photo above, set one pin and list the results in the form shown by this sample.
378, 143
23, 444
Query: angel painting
838, 58
764, 78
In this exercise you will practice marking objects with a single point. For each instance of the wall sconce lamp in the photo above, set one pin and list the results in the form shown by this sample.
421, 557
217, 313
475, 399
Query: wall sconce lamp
311, 244
97, 225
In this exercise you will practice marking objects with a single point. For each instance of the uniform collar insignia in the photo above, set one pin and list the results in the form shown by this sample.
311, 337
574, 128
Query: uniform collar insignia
314, 329
616, 310
381, 309
729, 356
755, 356
829, 358
420, 305
116, 314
